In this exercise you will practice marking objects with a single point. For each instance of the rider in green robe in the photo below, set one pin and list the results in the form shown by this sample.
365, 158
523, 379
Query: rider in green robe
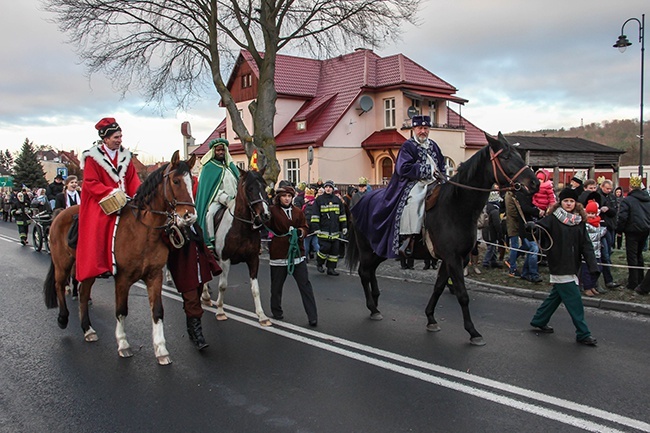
217, 186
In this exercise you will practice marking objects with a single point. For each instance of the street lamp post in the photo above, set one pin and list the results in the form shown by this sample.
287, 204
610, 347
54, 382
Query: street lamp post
622, 44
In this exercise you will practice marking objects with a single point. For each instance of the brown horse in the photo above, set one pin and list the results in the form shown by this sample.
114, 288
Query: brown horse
237, 238
163, 203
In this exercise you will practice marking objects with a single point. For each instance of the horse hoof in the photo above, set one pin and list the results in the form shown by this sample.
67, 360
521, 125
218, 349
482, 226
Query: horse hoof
126, 353
477, 341
206, 302
221, 317
433, 327
266, 322
376, 316
164, 360
62, 321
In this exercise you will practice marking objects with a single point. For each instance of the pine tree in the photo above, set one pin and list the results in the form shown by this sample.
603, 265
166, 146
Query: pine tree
28, 170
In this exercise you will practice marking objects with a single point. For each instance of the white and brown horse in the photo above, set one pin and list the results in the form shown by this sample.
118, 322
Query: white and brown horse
238, 240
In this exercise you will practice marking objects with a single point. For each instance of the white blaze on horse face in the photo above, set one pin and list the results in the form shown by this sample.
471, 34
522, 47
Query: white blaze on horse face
265, 206
189, 218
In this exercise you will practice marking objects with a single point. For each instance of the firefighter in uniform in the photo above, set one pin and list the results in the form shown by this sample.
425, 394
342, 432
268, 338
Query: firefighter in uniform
329, 222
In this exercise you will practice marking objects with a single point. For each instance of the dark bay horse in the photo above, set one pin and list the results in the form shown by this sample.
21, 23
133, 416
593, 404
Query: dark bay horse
450, 227
237, 238
162, 203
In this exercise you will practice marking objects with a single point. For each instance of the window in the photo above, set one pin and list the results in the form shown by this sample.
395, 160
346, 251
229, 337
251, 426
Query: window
292, 170
432, 112
241, 165
246, 81
416, 103
450, 166
301, 125
389, 113
386, 170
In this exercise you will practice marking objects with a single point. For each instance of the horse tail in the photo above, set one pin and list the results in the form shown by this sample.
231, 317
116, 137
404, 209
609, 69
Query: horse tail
352, 250
49, 288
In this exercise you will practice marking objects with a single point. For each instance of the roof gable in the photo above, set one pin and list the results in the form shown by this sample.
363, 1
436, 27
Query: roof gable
561, 144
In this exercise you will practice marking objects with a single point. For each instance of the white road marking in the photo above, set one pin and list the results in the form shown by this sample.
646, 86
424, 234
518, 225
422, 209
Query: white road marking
412, 367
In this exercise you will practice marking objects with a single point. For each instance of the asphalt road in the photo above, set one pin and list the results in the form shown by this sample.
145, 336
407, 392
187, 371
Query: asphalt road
350, 374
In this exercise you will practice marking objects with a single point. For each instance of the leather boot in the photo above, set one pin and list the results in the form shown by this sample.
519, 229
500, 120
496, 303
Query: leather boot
195, 332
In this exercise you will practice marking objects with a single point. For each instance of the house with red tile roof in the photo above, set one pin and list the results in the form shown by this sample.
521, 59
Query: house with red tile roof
354, 111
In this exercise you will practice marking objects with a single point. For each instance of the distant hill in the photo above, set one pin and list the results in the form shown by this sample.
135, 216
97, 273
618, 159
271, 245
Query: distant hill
621, 134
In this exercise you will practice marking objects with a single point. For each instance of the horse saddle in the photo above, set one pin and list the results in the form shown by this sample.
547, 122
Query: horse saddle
73, 232
218, 217
433, 191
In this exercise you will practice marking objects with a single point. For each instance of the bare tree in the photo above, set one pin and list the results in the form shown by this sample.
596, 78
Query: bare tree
170, 49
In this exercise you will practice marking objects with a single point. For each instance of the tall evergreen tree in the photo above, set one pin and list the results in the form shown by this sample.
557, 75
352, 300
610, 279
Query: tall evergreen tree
28, 170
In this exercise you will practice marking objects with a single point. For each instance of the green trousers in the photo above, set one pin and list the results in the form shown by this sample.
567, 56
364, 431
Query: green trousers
569, 294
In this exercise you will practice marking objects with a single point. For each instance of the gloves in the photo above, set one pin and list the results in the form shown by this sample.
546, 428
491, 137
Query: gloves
223, 198
344, 231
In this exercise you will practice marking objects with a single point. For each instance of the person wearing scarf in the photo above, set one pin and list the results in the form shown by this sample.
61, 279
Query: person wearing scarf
287, 252
70, 196
565, 225
107, 167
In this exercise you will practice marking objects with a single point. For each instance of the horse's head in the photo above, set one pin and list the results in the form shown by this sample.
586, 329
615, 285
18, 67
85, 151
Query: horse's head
252, 188
177, 187
509, 168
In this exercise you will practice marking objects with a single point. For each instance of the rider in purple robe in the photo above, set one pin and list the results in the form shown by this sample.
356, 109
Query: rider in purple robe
391, 216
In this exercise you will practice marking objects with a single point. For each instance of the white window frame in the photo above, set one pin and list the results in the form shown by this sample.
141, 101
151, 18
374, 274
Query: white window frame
292, 170
389, 113
432, 111
241, 165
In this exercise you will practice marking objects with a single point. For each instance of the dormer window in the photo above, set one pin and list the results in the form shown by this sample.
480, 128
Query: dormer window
301, 125
246, 81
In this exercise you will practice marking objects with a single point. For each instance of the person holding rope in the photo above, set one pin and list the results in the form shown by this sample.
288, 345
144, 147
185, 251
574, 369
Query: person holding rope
287, 252
567, 232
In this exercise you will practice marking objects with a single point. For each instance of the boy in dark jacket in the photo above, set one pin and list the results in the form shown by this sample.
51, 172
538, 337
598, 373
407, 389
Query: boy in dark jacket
287, 253
565, 224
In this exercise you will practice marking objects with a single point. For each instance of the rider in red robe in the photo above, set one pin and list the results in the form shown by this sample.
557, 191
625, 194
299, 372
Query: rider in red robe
106, 168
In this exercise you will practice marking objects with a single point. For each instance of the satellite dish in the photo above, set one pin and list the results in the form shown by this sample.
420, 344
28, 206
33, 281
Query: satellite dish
365, 104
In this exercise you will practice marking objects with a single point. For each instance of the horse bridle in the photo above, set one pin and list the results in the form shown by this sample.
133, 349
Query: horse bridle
496, 165
176, 237
254, 215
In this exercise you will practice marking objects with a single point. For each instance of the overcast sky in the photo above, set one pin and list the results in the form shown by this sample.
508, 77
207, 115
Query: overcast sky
523, 65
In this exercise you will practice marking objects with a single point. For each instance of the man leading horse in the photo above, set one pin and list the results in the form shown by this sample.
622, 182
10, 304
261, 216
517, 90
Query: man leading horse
217, 186
398, 210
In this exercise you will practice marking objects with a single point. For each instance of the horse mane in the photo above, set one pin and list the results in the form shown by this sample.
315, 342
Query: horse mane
147, 190
469, 169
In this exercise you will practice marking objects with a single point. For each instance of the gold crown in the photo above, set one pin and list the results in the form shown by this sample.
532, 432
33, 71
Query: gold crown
363, 180
635, 181
600, 179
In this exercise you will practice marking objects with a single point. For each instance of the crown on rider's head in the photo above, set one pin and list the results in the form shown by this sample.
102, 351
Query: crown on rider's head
219, 142
363, 181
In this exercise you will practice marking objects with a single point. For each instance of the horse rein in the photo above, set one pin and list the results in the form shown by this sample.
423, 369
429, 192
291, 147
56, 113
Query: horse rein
496, 164
254, 215
176, 236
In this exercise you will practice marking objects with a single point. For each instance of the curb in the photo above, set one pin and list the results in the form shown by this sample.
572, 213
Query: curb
479, 286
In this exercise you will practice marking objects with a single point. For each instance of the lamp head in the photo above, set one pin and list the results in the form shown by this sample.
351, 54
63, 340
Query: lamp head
622, 43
